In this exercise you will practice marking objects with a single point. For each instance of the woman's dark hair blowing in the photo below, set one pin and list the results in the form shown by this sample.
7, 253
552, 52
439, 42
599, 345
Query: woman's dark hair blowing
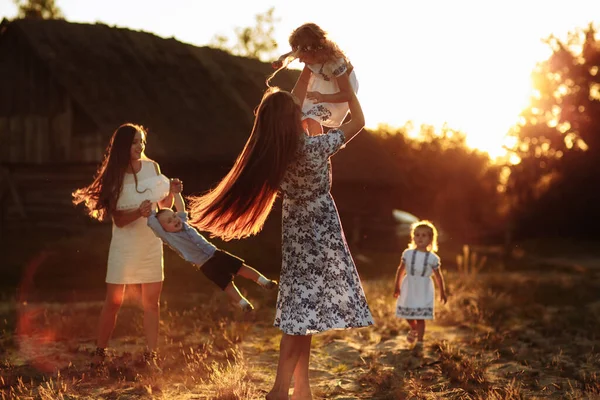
100, 197
239, 205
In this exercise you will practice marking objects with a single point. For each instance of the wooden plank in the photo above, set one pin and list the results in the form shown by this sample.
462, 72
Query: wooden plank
15, 126
7, 180
4, 140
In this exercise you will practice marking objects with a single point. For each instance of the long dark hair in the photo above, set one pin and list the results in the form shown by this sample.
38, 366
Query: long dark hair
100, 197
239, 205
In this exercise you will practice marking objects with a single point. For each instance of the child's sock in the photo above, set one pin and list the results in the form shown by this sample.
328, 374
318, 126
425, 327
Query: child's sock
245, 305
266, 283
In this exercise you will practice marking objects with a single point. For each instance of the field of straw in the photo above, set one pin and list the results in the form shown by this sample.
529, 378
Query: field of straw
518, 331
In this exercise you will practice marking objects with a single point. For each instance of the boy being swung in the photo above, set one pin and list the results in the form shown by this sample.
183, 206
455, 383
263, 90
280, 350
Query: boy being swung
217, 265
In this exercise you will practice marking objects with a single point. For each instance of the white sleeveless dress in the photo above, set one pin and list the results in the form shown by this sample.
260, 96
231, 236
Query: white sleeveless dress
136, 254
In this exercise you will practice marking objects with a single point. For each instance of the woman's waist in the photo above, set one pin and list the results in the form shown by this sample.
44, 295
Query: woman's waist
139, 227
294, 196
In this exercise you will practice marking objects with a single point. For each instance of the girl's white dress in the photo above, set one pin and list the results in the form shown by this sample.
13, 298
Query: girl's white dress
136, 254
323, 80
417, 292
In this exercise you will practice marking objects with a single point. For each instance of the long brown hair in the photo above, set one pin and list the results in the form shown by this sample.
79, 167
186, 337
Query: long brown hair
100, 197
310, 34
239, 205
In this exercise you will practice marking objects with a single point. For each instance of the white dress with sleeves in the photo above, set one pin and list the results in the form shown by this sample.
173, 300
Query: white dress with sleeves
417, 292
323, 80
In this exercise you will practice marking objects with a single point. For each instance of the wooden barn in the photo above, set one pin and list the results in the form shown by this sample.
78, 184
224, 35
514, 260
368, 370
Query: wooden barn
65, 87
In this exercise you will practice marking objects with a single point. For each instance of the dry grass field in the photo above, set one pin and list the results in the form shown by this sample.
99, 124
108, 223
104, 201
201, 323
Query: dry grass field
523, 331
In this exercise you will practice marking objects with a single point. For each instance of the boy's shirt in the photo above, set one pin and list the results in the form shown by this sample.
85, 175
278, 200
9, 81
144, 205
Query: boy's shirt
190, 245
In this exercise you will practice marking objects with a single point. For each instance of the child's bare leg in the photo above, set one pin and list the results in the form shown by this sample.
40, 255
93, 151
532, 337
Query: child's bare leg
312, 127
420, 329
252, 274
412, 323
249, 273
236, 297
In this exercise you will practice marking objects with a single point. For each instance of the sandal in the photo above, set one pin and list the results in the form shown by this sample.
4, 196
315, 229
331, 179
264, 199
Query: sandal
150, 361
98, 357
245, 305
411, 337
266, 283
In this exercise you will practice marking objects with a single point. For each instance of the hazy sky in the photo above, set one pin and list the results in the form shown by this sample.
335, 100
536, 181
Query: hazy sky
466, 63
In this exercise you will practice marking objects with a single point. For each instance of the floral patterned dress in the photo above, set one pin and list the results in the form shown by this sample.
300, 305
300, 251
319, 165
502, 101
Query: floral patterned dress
319, 286
417, 293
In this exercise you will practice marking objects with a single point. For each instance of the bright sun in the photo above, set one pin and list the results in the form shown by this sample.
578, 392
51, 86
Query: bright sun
482, 100
471, 74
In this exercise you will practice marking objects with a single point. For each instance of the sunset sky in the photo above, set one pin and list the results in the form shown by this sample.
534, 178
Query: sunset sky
466, 63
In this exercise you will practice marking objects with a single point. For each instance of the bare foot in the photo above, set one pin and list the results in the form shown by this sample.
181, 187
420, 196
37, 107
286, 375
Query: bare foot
274, 396
303, 396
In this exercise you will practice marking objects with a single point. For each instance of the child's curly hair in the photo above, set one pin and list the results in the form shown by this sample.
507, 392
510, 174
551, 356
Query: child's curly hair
309, 37
427, 225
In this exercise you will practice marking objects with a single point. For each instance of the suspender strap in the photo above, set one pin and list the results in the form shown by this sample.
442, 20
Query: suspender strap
425, 264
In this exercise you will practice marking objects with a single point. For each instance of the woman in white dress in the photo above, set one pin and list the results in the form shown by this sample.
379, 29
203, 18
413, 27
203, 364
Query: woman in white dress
126, 187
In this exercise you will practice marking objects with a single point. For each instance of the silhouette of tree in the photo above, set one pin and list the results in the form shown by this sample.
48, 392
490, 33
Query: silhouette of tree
43, 9
445, 180
254, 41
558, 139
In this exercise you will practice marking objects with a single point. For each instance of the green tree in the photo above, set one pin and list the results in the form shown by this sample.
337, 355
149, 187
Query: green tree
254, 41
558, 139
46, 9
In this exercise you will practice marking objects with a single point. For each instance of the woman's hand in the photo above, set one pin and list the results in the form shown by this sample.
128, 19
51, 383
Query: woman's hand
145, 208
277, 64
396, 293
315, 96
176, 186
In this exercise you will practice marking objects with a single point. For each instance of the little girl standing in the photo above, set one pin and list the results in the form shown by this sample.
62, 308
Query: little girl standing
326, 81
416, 295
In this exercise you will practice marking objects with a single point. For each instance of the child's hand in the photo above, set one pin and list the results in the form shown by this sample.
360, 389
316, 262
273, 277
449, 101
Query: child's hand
176, 186
443, 297
277, 64
396, 293
145, 208
315, 96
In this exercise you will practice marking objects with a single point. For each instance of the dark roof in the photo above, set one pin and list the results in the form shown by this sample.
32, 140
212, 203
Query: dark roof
197, 102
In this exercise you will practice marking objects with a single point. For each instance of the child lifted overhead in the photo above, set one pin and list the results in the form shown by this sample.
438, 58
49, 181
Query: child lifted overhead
325, 84
217, 265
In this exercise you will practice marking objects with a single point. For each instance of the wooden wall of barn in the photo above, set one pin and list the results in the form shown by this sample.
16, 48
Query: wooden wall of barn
39, 122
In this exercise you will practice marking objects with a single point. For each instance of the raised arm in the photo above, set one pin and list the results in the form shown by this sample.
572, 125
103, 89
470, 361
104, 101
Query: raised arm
279, 62
301, 85
342, 96
357, 123
179, 203
176, 189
